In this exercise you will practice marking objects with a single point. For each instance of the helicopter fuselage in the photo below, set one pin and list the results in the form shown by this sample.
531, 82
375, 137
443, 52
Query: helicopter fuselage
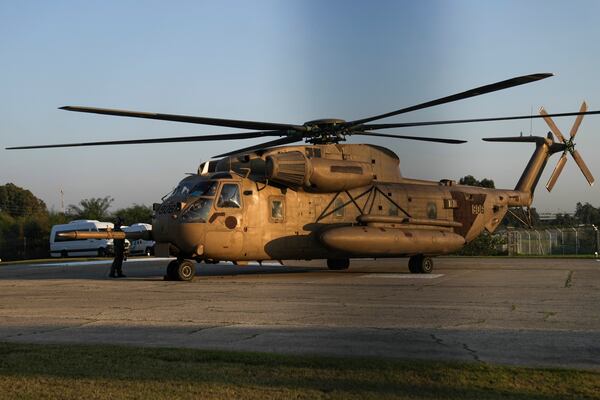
238, 213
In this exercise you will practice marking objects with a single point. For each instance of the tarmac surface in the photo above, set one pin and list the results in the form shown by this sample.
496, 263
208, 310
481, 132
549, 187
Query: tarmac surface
535, 312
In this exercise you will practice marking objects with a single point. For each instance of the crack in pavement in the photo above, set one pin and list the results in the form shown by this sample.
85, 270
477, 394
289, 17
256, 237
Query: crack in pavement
438, 340
42, 332
569, 280
472, 352
205, 328
250, 337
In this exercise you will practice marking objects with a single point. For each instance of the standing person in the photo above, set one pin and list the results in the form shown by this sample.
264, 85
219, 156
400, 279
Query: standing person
116, 269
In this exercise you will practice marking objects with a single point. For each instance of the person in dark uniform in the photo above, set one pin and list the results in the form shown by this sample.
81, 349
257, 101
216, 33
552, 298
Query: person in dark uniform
116, 269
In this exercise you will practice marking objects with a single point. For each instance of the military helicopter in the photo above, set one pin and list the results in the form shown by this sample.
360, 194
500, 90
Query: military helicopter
328, 200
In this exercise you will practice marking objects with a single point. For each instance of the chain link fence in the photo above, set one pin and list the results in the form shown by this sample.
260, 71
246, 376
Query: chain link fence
24, 248
553, 241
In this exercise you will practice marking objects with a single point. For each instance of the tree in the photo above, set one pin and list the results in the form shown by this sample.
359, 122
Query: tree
134, 214
18, 202
94, 208
471, 181
587, 214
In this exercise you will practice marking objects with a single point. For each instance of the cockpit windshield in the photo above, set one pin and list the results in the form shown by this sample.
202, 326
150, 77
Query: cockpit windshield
205, 188
194, 187
198, 212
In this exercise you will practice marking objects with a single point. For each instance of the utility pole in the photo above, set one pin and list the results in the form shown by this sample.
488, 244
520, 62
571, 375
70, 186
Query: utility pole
62, 200
597, 232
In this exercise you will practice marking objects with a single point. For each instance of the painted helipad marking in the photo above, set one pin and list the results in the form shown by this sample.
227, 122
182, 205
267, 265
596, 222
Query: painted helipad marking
403, 276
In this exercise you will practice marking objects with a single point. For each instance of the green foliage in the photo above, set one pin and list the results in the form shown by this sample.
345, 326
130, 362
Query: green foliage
134, 214
587, 214
485, 245
94, 208
23, 224
471, 181
511, 220
18, 202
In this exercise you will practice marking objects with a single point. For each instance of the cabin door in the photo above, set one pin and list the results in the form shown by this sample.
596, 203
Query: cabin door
225, 238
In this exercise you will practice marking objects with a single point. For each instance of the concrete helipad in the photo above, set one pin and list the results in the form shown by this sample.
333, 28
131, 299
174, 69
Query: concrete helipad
498, 310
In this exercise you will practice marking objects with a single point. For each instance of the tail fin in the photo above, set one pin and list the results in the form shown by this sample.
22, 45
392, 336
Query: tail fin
544, 148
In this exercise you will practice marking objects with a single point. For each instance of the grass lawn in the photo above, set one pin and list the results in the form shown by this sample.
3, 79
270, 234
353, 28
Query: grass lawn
109, 372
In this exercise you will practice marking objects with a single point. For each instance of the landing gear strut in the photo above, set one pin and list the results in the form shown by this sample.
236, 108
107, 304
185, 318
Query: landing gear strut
180, 270
419, 264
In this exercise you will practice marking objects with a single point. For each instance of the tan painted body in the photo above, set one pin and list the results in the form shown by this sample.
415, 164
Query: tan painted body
326, 211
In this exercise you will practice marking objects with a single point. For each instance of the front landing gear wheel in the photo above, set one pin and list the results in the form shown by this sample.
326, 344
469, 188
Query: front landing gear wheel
420, 264
185, 270
338, 265
180, 270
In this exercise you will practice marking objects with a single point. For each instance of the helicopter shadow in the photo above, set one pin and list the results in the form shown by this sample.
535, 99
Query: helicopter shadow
150, 270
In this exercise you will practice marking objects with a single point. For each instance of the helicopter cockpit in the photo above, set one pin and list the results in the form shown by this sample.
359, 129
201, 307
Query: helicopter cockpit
195, 195
193, 186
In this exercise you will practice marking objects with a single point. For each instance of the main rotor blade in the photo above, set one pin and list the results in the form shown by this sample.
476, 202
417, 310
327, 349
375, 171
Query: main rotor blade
578, 120
369, 127
556, 173
231, 123
517, 139
520, 80
229, 136
552, 125
583, 167
423, 139
272, 143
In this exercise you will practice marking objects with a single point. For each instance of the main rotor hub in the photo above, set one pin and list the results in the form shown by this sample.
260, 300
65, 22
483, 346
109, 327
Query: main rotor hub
327, 130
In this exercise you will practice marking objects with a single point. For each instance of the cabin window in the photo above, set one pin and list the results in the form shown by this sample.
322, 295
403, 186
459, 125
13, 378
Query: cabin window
431, 211
277, 207
338, 206
313, 152
230, 196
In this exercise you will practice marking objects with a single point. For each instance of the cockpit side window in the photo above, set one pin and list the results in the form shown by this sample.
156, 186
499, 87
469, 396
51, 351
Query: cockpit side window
229, 196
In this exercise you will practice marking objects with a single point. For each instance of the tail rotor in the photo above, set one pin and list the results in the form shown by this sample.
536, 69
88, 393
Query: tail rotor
569, 147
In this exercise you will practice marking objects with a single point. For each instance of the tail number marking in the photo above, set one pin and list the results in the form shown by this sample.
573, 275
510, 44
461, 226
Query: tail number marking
477, 208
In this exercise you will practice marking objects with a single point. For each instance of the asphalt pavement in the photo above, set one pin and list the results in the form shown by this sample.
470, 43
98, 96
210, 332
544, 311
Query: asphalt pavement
536, 312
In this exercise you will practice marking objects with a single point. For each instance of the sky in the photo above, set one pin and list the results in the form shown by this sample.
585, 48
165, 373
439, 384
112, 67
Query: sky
286, 61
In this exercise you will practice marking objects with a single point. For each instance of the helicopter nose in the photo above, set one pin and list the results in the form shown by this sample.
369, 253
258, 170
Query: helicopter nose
187, 237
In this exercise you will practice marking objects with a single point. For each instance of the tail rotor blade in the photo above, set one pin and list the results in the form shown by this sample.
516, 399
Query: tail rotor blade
556, 173
552, 125
578, 120
583, 167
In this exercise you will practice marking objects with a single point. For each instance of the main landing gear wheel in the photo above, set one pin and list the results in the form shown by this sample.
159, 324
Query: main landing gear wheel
180, 270
338, 264
420, 264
